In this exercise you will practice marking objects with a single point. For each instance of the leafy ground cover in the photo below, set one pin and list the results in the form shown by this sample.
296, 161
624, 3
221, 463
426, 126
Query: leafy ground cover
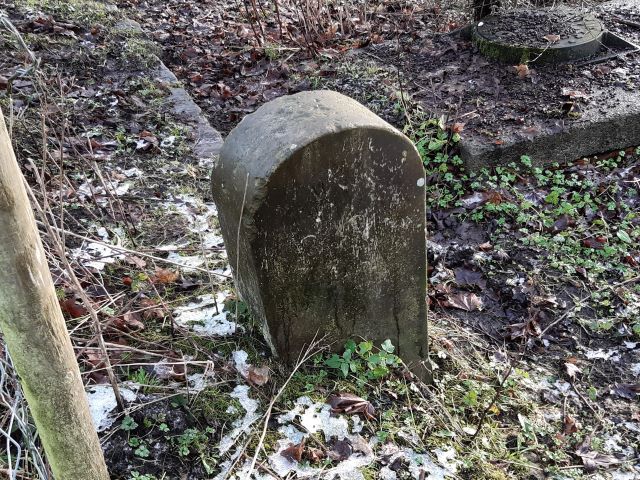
533, 271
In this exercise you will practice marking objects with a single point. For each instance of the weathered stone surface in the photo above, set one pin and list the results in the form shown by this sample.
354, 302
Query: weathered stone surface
332, 237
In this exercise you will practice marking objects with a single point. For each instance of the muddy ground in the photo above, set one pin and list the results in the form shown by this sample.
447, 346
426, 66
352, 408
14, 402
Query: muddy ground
533, 271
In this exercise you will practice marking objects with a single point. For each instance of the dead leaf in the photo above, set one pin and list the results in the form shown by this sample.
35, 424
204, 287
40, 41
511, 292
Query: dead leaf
597, 243
569, 425
627, 390
137, 261
164, 276
466, 277
128, 322
314, 455
468, 302
522, 70
530, 328
592, 459
572, 369
258, 375
485, 247
293, 453
574, 94
350, 403
552, 38
457, 127
341, 450
75, 310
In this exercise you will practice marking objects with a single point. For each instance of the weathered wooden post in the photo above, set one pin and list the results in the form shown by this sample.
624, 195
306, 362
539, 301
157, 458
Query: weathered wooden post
36, 335
322, 209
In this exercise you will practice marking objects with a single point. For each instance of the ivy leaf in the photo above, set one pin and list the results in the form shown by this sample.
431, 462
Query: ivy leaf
624, 236
387, 346
350, 345
364, 347
334, 361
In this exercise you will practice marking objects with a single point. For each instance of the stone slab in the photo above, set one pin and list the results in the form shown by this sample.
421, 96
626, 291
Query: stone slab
322, 208
600, 129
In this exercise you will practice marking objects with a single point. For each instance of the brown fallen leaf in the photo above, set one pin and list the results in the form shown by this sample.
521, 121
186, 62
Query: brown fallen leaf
137, 261
574, 94
552, 38
597, 243
293, 453
522, 70
485, 247
468, 302
457, 127
569, 425
349, 403
530, 328
164, 276
340, 451
258, 375
314, 455
75, 310
129, 322
592, 459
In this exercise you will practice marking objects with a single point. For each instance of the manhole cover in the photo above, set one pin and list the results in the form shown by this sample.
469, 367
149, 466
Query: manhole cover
539, 35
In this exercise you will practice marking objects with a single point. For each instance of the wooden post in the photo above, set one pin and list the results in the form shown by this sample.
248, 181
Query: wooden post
36, 335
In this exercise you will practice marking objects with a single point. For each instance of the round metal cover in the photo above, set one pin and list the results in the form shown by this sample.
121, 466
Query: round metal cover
539, 35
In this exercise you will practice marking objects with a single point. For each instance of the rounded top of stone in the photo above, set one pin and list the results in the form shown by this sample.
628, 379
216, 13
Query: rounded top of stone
554, 34
267, 137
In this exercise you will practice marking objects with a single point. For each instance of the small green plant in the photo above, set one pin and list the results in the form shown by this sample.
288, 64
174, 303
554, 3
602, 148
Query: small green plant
144, 378
128, 424
364, 360
142, 451
135, 475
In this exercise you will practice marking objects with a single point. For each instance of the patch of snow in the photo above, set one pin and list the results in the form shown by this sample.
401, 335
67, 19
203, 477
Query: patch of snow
168, 141
114, 188
241, 392
102, 233
188, 262
633, 426
240, 362
211, 240
600, 354
132, 172
620, 475
447, 458
96, 255
198, 382
206, 317
189, 206
226, 271
172, 247
102, 402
